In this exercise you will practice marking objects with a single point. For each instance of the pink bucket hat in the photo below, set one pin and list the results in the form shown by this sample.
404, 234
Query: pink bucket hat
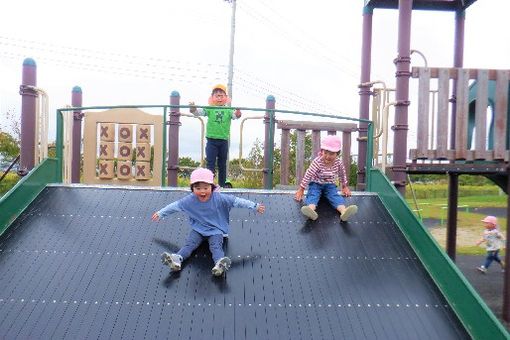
331, 143
202, 175
490, 219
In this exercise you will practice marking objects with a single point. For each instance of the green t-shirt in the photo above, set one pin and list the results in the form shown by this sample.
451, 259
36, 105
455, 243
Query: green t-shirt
218, 122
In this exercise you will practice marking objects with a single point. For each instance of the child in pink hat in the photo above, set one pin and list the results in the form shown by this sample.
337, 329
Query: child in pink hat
321, 178
208, 212
493, 239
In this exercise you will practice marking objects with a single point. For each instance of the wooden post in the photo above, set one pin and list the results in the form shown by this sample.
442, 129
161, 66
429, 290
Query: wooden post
300, 155
451, 228
285, 157
316, 143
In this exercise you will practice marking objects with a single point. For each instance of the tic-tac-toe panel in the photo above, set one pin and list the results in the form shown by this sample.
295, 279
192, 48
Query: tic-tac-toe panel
117, 147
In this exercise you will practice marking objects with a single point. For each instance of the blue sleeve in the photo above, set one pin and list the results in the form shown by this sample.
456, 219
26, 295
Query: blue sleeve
242, 203
170, 209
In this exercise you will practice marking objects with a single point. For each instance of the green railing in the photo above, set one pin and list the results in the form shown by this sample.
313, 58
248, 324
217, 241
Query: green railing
269, 112
26, 190
472, 311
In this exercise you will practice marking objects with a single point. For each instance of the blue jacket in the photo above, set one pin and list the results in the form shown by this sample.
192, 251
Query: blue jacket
210, 217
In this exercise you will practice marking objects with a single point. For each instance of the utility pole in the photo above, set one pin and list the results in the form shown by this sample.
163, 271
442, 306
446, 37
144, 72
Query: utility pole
231, 56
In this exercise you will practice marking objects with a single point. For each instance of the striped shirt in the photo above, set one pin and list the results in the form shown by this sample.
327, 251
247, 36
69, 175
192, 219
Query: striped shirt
319, 172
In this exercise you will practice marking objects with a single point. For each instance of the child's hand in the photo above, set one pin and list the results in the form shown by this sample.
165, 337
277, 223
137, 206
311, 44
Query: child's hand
155, 217
261, 208
192, 109
346, 191
238, 113
298, 196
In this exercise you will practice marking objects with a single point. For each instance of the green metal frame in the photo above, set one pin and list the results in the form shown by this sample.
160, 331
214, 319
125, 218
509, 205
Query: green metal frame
471, 310
26, 190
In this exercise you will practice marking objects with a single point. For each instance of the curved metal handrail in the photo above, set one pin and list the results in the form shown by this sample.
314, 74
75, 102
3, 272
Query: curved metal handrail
241, 145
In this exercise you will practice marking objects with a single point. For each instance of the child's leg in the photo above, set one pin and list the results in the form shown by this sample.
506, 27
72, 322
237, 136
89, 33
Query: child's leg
221, 263
497, 258
312, 198
216, 247
222, 162
211, 153
489, 259
337, 201
192, 242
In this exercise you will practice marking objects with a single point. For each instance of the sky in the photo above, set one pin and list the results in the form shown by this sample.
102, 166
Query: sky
306, 54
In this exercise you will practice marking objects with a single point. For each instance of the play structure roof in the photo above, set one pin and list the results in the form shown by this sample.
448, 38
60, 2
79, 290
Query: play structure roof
437, 5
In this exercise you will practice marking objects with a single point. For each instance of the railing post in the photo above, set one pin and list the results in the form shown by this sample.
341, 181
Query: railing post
269, 125
451, 228
76, 101
173, 139
346, 153
28, 119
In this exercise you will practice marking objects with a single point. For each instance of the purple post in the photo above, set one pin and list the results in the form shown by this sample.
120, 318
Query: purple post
268, 148
458, 61
364, 93
403, 63
28, 104
76, 101
173, 139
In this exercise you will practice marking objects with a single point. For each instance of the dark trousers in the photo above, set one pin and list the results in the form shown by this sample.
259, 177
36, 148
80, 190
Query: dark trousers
492, 255
217, 149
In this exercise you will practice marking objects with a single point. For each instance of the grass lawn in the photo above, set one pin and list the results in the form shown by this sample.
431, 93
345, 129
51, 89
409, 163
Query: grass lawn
470, 228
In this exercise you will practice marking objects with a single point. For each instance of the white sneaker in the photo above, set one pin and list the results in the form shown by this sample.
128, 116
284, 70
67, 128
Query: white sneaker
482, 269
221, 266
349, 211
174, 261
309, 212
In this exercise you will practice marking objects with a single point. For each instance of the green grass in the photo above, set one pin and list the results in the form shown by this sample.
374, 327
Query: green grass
469, 225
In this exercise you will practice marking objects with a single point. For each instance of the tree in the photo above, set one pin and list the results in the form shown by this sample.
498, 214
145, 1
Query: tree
10, 140
9, 146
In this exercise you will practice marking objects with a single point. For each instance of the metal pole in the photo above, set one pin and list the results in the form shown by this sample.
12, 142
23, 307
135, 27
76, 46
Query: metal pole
458, 58
402, 76
28, 119
506, 280
231, 55
268, 143
76, 101
364, 94
173, 139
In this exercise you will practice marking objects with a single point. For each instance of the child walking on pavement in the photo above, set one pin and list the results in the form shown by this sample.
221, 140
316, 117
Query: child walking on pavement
321, 177
493, 239
208, 212
217, 130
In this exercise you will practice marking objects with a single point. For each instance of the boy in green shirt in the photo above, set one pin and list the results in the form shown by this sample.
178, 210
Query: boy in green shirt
217, 130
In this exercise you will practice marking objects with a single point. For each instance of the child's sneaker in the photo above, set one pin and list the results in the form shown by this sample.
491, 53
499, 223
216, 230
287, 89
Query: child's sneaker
482, 269
172, 260
221, 266
349, 211
309, 212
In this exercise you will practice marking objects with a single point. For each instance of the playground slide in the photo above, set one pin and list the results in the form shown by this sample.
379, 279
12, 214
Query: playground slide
84, 262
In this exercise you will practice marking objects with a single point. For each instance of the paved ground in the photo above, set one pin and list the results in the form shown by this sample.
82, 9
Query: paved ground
489, 286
